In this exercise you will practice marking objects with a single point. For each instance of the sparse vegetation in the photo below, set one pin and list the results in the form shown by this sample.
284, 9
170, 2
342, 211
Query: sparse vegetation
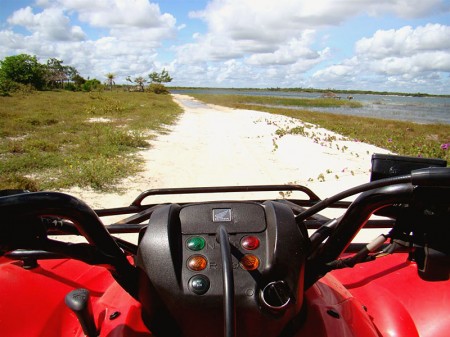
242, 102
52, 140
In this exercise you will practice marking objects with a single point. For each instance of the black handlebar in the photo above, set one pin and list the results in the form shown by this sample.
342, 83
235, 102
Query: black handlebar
27, 207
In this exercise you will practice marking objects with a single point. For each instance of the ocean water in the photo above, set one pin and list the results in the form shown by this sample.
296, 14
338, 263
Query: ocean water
424, 110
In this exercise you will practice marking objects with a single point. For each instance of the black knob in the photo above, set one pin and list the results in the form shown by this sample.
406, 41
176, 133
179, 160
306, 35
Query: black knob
78, 301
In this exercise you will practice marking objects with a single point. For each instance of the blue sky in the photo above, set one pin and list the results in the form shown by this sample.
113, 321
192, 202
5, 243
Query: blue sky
387, 45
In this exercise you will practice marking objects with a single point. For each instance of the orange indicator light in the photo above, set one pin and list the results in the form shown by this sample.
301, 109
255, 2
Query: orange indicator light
197, 262
249, 262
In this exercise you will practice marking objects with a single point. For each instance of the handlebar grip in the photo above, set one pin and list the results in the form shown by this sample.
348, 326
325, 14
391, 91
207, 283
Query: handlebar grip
432, 176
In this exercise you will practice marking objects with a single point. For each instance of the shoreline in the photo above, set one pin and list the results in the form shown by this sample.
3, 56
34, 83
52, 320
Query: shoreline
402, 137
317, 90
421, 110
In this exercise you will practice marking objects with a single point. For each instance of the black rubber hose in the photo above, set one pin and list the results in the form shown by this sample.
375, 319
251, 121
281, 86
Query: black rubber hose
355, 190
228, 284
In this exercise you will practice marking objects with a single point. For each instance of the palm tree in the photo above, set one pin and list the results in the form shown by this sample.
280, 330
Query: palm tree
110, 81
140, 82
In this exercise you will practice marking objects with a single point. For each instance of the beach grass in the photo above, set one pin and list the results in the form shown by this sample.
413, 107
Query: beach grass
400, 137
53, 140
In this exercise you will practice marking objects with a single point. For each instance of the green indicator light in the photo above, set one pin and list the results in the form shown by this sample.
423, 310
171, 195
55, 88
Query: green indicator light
196, 243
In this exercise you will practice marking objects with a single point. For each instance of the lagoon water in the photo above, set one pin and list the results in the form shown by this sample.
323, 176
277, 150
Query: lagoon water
424, 110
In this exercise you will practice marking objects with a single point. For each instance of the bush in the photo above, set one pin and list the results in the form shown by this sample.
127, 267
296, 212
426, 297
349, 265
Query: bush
158, 88
24, 69
92, 85
8, 87
70, 87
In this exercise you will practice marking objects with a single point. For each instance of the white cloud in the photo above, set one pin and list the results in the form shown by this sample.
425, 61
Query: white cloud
283, 33
288, 53
405, 57
407, 8
50, 24
346, 72
414, 64
269, 22
246, 42
10, 41
405, 41
133, 30
120, 13
407, 50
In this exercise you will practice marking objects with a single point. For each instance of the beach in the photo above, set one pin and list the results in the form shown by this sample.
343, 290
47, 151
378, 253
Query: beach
218, 146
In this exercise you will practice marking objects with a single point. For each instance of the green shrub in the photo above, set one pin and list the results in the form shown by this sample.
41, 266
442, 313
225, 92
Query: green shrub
6, 87
158, 88
70, 87
92, 85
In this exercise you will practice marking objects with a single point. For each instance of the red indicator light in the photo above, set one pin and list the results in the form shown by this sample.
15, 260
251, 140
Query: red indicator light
250, 242
197, 262
249, 262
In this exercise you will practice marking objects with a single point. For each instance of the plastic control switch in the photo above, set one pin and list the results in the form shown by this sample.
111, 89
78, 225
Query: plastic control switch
199, 284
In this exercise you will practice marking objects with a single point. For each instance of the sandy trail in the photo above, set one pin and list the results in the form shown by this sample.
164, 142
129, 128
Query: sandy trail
218, 146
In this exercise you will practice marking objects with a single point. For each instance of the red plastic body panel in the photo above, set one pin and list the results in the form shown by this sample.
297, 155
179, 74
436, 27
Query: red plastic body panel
398, 301
32, 301
382, 298
333, 311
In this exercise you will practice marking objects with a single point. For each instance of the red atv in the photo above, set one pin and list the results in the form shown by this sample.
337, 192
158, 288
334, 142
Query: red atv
234, 268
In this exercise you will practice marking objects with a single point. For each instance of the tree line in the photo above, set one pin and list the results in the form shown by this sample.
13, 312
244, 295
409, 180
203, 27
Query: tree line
24, 72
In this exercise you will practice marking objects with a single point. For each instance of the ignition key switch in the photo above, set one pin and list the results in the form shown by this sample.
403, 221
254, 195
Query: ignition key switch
276, 295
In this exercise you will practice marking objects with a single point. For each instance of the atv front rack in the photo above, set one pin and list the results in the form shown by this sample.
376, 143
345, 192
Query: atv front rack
142, 212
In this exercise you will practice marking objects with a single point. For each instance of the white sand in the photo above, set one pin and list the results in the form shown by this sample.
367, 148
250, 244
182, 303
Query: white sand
218, 146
